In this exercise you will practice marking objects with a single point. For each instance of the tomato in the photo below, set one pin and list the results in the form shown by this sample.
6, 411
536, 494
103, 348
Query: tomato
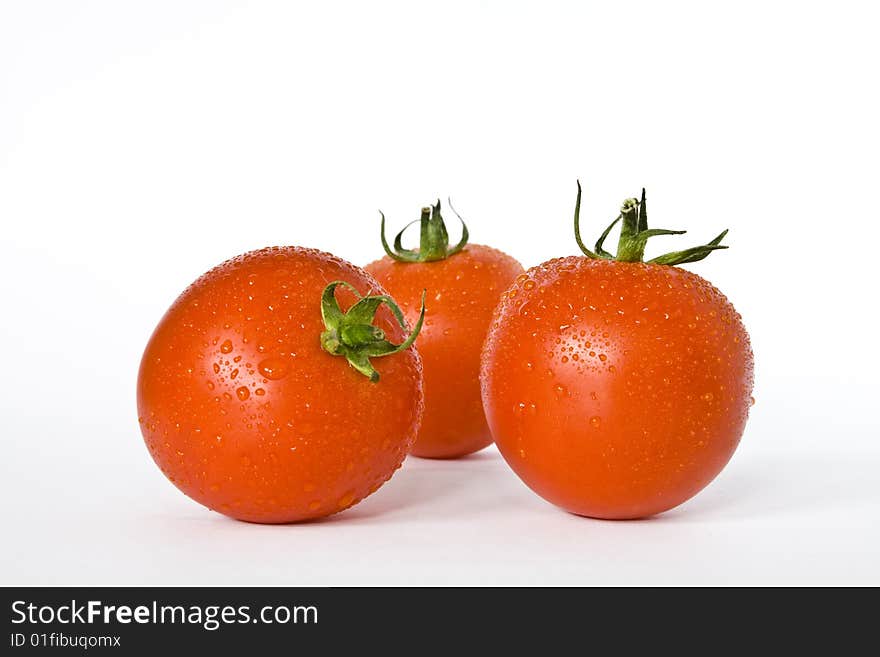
243, 405
464, 285
617, 388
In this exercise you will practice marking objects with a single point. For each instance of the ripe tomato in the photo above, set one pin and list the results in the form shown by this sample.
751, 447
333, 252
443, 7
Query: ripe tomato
464, 285
617, 389
243, 408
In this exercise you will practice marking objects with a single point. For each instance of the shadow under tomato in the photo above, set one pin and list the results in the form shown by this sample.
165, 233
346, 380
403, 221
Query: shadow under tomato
776, 484
419, 484
422, 483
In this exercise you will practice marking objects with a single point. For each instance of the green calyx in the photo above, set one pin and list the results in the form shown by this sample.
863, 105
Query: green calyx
352, 334
634, 235
434, 240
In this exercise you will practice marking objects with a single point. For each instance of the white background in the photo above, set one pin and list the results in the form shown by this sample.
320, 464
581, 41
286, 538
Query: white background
142, 143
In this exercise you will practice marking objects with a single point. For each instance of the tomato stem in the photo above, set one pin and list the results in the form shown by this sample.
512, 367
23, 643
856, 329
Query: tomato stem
433, 239
352, 334
634, 236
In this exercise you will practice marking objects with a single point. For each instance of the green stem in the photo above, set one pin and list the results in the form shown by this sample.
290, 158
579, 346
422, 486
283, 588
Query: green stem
433, 239
352, 334
634, 236
629, 247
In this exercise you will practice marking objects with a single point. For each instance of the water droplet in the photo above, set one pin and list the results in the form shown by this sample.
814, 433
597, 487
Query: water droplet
603, 357
216, 368
594, 396
242, 393
226, 347
528, 285
707, 397
233, 373
595, 421
560, 389
210, 385
528, 366
274, 368
259, 392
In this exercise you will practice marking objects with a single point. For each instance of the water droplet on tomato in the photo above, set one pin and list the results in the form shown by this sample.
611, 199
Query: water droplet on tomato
226, 347
274, 368
259, 392
595, 421
243, 393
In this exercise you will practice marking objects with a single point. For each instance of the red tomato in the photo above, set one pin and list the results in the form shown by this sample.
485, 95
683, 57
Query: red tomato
243, 408
617, 389
464, 285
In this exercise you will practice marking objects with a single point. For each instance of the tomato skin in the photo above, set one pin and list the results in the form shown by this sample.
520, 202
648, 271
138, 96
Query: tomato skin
245, 413
463, 290
616, 390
